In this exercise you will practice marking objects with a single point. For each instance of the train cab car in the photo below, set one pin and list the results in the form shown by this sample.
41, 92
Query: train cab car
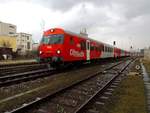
51, 46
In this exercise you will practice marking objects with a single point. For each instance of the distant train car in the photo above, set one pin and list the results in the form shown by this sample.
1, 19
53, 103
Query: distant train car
59, 46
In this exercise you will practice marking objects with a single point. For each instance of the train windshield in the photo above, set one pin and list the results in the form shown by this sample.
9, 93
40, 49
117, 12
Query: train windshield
53, 39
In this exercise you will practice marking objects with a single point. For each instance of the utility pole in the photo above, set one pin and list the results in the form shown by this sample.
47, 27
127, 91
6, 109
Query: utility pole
114, 43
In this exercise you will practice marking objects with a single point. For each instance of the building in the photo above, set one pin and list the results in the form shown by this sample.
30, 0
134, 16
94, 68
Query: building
147, 54
8, 42
24, 42
7, 29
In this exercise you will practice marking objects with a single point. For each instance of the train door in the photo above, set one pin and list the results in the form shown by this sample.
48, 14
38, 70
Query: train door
87, 50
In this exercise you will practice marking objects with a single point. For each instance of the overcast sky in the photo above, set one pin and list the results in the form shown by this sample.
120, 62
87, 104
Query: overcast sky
125, 21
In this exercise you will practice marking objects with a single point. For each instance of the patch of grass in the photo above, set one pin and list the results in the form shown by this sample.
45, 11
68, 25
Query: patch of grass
128, 98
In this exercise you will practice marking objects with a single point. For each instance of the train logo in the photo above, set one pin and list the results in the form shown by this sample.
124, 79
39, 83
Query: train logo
75, 53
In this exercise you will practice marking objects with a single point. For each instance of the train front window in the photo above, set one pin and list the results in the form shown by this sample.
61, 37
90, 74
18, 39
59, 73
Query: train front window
53, 39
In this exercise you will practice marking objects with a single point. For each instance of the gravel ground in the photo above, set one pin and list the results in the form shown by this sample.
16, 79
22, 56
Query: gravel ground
42, 86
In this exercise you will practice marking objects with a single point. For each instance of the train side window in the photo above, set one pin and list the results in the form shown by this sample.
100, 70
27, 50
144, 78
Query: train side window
94, 48
105, 49
97, 49
110, 49
102, 48
91, 48
83, 45
71, 41
88, 45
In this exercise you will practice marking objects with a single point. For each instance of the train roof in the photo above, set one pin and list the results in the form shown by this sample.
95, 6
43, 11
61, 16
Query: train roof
85, 37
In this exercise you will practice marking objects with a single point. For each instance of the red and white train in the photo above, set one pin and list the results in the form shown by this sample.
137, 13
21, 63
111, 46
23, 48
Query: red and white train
59, 47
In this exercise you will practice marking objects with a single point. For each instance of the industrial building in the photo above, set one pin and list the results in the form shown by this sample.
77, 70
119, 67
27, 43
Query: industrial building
7, 29
24, 42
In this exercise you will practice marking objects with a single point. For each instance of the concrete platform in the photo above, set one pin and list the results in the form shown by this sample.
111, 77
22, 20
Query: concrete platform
147, 87
16, 61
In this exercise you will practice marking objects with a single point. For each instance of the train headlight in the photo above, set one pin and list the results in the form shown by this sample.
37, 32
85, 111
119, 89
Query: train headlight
58, 51
52, 30
40, 52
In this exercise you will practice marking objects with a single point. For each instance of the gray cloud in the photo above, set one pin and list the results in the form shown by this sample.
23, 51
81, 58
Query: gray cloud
65, 5
110, 18
106, 19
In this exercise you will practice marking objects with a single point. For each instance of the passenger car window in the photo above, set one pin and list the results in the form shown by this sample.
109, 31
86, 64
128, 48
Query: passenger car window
83, 45
91, 48
71, 41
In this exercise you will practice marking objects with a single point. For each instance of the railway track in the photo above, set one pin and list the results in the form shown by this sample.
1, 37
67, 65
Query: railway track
75, 98
28, 72
21, 68
17, 64
25, 76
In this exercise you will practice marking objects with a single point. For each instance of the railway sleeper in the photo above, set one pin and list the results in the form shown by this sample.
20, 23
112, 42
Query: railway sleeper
99, 103
108, 93
42, 111
92, 111
75, 97
110, 89
113, 86
116, 82
65, 102
104, 97
80, 92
